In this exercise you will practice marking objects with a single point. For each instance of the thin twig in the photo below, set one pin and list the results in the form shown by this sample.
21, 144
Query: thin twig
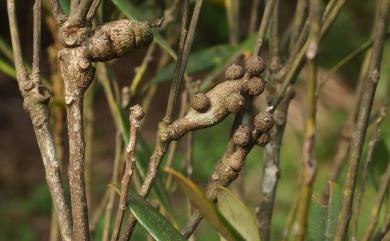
384, 184
346, 134
110, 205
92, 10
35, 103
271, 169
136, 114
161, 147
361, 187
357, 141
58, 14
309, 169
263, 26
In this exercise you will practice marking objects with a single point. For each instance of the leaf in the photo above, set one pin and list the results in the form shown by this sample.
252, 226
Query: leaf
65, 5
132, 12
378, 164
237, 214
335, 199
205, 207
152, 220
198, 61
7, 69
323, 219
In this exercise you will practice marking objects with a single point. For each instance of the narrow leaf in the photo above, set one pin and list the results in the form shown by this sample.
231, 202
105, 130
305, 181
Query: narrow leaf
237, 214
205, 207
152, 220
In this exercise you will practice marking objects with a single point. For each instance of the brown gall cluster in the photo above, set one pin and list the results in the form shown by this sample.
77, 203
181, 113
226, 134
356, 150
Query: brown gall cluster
114, 39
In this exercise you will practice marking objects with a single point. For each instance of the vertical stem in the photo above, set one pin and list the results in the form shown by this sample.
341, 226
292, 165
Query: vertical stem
135, 116
35, 103
359, 134
309, 163
263, 26
384, 185
114, 179
76, 169
271, 170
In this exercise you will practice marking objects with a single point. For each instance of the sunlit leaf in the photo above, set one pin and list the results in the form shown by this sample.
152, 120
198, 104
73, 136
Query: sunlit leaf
152, 220
237, 214
206, 208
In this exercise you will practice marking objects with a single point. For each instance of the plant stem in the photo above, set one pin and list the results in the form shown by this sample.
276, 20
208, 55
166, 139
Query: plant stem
135, 116
271, 170
383, 188
361, 187
357, 141
35, 103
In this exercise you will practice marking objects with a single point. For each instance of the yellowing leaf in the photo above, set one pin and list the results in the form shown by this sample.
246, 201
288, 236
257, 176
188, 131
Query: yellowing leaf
237, 214
206, 208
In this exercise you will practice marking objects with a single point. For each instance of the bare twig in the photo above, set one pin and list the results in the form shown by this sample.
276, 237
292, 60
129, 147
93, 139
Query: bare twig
92, 11
361, 188
373, 73
58, 14
384, 185
263, 26
110, 204
271, 169
298, 21
136, 114
35, 103
309, 163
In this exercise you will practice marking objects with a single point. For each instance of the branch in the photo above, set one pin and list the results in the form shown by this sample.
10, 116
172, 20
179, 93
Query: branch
263, 26
309, 163
136, 114
271, 169
357, 141
36, 98
58, 14
361, 187
92, 11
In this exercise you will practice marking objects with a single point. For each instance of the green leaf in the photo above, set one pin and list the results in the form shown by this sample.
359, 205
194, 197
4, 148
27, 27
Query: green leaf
237, 214
132, 12
378, 164
323, 219
205, 207
7, 69
334, 207
152, 220
198, 61
65, 5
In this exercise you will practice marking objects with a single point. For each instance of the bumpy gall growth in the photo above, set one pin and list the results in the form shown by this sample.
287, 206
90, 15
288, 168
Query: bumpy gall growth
200, 102
263, 121
242, 136
234, 71
255, 65
136, 112
264, 139
254, 86
234, 102
114, 39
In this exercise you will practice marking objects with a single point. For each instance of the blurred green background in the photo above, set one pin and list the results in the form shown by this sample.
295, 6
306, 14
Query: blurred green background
25, 206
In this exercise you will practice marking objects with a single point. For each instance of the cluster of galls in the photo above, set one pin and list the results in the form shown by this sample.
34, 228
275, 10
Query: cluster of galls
252, 85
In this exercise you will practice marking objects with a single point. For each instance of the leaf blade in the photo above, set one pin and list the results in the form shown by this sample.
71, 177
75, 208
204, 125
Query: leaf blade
205, 207
237, 214
152, 220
